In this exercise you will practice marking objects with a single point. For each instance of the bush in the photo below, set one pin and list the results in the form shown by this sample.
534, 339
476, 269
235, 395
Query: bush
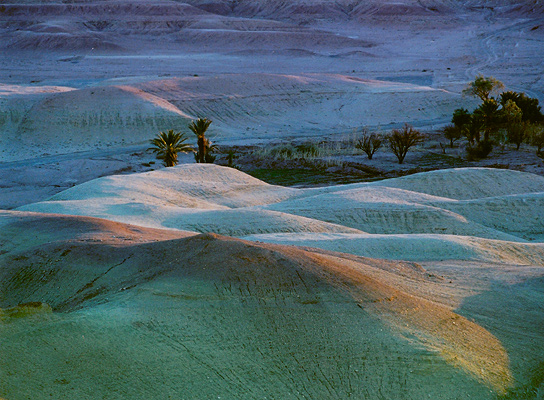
452, 133
461, 118
517, 133
369, 143
400, 141
479, 150
309, 150
283, 152
536, 137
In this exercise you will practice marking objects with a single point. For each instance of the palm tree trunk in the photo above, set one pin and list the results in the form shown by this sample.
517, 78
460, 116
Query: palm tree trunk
201, 149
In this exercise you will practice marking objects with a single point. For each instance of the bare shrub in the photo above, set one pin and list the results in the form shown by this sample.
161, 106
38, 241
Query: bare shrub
401, 140
369, 143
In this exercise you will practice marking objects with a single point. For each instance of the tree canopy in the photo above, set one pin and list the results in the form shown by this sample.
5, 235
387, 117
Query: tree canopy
168, 144
482, 87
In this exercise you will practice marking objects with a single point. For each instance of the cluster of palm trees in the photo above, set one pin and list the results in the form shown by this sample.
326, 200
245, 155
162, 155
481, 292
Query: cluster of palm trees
168, 144
511, 117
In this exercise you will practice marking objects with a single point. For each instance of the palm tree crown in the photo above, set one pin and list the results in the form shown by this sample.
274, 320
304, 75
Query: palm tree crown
168, 144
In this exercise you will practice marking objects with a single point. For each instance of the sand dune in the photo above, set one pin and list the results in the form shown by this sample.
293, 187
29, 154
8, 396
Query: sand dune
343, 10
95, 114
140, 305
82, 26
209, 198
256, 107
399, 211
469, 183
252, 318
97, 271
415, 247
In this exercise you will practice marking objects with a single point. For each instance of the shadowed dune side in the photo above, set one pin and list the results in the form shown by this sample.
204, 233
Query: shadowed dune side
398, 212
24, 228
102, 117
503, 213
415, 247
76, 275
105, 270
460, 341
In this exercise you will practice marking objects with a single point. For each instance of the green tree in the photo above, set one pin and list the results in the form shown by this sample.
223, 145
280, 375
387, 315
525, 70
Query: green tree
482, 87
168, 144
507, 96
452, 133
487, 118
199, 128
400, 141
463, 121
461, 118
536, 137
231, 155
530, 109
516, 130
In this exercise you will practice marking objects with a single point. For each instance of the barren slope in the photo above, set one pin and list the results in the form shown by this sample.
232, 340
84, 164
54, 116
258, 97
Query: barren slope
377, 219
244, 109
266, 70
207, 315
212, 315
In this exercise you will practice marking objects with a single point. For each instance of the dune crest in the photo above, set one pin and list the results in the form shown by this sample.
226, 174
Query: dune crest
116, 260
404, 215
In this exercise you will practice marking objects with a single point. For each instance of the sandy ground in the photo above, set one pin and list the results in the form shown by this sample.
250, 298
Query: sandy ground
461, 315
81, 83
139, 305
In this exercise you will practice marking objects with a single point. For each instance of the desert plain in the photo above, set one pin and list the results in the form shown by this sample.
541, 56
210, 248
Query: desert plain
122, 279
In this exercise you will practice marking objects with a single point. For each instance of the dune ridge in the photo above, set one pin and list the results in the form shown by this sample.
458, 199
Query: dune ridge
97, 262
249, 107
404, 215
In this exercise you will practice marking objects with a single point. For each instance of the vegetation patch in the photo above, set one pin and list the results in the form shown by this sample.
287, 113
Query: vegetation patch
25, 310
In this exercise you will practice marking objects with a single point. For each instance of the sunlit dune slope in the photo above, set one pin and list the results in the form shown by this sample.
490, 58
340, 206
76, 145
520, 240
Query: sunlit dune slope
211, 315
401, 218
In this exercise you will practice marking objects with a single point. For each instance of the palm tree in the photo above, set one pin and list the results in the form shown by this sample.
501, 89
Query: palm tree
168, 144
488, 118
204, 146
